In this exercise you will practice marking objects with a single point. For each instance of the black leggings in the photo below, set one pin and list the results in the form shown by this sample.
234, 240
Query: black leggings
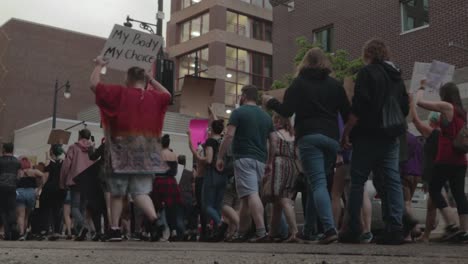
8, 211
51, 203
455, 175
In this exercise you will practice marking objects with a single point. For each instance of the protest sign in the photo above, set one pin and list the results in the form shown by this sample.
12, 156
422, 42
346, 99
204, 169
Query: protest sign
436, 74
197, 96
439, 74
59, 136
198, 131
128, 47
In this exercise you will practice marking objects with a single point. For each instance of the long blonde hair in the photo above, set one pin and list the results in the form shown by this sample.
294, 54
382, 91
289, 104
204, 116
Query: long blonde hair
315, 58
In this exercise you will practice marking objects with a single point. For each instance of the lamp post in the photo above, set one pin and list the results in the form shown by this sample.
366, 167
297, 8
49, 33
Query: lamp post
66, 94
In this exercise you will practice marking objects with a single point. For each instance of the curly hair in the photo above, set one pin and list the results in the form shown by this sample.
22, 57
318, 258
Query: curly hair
375, 51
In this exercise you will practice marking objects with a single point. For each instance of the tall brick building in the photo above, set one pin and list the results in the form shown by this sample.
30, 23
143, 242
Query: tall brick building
415, 30
229, 41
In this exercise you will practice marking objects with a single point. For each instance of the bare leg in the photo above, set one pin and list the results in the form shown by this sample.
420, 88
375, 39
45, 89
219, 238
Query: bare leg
67, 218
337, 192
366, 212
116, 210
256, 210
245, 220
20, 219
290, 214
275, 218
144, 202
232, 217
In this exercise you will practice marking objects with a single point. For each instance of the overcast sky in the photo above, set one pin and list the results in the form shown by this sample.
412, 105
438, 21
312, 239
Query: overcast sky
95, 17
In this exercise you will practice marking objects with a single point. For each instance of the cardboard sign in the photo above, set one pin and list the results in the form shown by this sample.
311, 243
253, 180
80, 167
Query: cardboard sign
197, 96
198, 131
435, 74
59, 136
128, 47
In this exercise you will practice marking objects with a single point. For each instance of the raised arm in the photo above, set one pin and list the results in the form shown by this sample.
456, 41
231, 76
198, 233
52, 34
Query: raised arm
444, 108
155, 84
96, 74
422, 127
197, 155
227, 141
288, 107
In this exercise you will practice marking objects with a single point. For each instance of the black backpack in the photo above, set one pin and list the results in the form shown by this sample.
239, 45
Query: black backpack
393, 121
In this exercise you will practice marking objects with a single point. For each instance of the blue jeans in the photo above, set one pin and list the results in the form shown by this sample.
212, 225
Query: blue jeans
318, 156
380, 156
214, 186
78, 208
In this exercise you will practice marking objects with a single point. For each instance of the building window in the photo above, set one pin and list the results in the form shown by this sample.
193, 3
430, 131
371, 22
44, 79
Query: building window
414, 13
324, 38
188, 3
244, 67
195, 27
260, 3
187, 65
248, 26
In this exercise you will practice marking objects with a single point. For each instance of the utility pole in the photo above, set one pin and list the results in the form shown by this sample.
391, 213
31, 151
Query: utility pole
160, 17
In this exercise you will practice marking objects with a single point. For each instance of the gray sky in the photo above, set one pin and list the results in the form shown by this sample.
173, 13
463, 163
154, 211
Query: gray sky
95, 17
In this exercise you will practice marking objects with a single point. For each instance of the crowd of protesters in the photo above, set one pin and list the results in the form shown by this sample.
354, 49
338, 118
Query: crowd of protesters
319, 141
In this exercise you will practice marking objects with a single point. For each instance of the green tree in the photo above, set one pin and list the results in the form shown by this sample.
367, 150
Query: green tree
342, 65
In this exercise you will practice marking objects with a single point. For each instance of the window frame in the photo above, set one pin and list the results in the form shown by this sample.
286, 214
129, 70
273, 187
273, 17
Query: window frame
251, 20
190, 71
330, 37
403, 13
190, 20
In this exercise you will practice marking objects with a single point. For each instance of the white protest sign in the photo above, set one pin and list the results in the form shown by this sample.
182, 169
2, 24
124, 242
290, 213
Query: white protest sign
436, 74
420, 71
128, 47
439, 74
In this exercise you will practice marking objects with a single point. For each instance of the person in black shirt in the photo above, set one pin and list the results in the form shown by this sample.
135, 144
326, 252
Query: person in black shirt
316, 99
376, 148
9, 171
215, 181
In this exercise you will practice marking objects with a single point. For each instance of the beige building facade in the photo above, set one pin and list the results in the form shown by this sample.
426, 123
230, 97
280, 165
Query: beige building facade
230, 41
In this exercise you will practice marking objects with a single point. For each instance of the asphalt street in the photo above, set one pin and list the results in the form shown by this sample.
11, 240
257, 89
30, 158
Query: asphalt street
65, 252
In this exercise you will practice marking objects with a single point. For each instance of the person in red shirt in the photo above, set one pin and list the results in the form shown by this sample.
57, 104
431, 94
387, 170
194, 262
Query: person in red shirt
132, 117
450, 164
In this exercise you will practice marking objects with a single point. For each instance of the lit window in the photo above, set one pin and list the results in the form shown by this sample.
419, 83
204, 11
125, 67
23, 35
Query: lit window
248, 27
188, 3
324, 38
189, 62
415, 14
244, 67
195, 27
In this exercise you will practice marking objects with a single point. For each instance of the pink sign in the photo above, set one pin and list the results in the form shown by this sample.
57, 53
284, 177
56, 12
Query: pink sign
198, 131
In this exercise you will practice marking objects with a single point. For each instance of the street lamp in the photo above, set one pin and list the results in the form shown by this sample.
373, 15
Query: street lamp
66, 94
143, 25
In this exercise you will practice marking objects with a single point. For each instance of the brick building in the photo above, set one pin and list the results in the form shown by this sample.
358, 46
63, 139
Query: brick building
415, 30
32, 57
226, 40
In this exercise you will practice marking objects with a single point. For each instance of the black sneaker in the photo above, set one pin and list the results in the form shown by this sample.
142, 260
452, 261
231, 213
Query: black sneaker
220, 233
96, 237
82, 235
135, 236
157, 231
115, 235
451, 231
349, 238
329, 237
53, 237
391, 238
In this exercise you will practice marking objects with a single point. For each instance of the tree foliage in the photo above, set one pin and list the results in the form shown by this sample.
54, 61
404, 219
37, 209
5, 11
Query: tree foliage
342, 65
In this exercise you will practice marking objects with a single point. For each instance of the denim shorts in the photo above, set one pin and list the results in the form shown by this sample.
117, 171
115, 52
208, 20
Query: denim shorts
26, 197
67, 198
134, 184
248, 174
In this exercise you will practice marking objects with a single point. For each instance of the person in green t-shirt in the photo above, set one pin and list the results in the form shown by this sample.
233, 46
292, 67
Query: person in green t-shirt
249, 130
